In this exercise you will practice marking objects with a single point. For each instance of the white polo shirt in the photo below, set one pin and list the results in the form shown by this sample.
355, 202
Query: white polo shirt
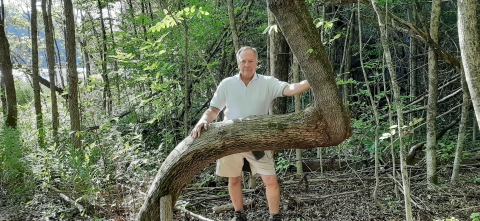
242, 101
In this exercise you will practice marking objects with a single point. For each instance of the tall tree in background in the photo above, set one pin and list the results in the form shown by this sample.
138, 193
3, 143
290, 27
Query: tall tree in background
298, 109
373, 105
72, 74
50, 47
279, 61
3, 98
470, 49
466, 102
233, 24
187, 102
35, 75
6, 67
432, 95
412, 59
107, 94
346, 64
399, 106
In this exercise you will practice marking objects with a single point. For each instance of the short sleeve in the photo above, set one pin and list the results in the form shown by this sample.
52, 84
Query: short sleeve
219, 99
277, 86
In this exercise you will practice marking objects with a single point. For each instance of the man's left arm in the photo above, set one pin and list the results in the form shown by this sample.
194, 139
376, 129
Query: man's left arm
296, 88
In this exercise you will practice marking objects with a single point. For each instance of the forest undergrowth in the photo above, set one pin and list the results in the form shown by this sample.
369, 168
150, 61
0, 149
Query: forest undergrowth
343, 192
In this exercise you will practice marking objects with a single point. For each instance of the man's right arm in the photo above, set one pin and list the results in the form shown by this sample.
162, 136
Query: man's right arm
210, 114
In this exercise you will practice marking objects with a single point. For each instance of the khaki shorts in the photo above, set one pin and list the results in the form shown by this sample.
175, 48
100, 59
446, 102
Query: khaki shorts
231, 165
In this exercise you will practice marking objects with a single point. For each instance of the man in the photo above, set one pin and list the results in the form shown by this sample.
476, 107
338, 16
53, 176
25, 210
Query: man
242, 95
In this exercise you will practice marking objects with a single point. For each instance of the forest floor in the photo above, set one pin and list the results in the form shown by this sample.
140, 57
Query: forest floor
342, 193
346, 195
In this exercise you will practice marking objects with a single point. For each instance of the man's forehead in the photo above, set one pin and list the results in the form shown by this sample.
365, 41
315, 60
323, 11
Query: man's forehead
247, 56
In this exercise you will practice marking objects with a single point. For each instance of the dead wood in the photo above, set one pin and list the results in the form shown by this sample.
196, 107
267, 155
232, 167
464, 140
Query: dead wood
341, 194
229, 207
190, 213
67, 199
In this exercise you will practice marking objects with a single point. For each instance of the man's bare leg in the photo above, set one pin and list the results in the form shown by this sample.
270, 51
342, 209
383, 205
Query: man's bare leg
273, 193
235, 191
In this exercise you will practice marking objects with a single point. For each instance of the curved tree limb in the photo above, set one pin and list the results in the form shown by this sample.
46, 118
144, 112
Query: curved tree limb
326, 123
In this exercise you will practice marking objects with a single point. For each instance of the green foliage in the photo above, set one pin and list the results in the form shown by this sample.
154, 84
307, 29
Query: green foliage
24, 92
475, 216
15, 174
349, 81
477, 181
173, 19
283, 164
446, 149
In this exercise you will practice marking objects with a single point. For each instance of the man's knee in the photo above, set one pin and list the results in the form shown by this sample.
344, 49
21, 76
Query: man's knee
234, 181
270, 181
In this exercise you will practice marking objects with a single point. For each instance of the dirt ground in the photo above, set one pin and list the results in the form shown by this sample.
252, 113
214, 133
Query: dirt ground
345, 194
348, 195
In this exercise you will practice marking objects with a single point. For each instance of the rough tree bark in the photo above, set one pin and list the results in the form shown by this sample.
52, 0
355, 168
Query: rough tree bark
399, 106
461, 129
431, 145
35, 75
107, 94
233, 25
7, 71
470, 49
279, 62
47, 21
298, 109
326, 123
72, 74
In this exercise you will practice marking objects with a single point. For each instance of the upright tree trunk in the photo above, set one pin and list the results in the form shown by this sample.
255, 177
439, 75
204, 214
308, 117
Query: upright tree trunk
59, 57
2, 96
279, 62
188, 81
461, 129
474, 130
399, 105
347, 59
144, 26
390, 122
233, 25
432, 96
115, 63
470, 49
47, 21
298, 109
72, 75
107, 94
35, 75
6, 68
132, 14
373, 105
412, 60
85, 54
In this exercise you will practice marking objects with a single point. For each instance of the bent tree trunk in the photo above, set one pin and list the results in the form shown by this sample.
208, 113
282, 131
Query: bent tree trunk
325, 123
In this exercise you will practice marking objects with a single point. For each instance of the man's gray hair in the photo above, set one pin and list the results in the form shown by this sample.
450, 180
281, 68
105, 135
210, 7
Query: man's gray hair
244, 48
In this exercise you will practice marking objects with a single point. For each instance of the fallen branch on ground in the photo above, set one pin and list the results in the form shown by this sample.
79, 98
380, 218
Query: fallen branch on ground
67, 199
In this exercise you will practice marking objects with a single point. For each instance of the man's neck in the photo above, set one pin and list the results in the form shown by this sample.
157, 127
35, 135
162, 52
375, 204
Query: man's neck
246, 79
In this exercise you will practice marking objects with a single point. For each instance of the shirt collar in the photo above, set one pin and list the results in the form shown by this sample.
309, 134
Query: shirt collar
255, 76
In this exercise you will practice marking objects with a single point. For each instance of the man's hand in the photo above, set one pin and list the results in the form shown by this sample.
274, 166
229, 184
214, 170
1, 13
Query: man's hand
197, 130
210, 114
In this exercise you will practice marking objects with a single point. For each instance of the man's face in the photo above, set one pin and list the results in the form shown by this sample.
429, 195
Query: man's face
248, 62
